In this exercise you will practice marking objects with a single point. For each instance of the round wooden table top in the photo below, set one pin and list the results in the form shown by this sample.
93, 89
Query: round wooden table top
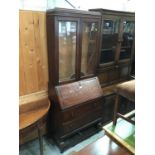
31, 113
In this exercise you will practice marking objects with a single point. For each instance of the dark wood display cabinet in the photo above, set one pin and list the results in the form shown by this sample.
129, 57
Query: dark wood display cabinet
117, 46
116, 58
73, 39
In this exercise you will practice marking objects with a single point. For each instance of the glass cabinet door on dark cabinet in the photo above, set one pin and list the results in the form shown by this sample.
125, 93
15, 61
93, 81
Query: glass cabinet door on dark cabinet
67, 49
89, 51
117, 46
67, 42
127, 39
110, 29
117, 40
73, 44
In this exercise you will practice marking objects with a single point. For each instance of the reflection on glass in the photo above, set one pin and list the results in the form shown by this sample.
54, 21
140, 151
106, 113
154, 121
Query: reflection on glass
89, 38
128, 38
125, 53
107, 56
109, 40
128, 33
110, 26
67, 49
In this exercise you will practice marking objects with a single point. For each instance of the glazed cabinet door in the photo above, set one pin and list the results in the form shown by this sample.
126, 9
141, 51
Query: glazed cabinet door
89, 47
73, 45
127, 39
110, 36
67, 48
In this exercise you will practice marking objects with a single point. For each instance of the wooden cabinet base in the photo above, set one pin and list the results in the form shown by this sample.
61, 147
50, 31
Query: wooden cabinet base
65, 143
78, 107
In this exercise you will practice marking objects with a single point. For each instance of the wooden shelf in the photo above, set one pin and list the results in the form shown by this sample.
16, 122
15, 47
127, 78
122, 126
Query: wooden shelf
107, 49
125, 47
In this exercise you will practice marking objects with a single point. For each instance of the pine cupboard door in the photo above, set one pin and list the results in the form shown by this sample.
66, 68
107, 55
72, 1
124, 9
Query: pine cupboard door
90, 31
127, 39
110, 35
68, 47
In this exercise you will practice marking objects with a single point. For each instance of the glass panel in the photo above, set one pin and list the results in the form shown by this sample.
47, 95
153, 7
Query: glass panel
67, 50
125, 53
109, 40
110, 26
89, 40
128, 38
107, 55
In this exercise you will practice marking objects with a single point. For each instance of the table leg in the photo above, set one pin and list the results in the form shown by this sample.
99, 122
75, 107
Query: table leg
40, 141
117, 100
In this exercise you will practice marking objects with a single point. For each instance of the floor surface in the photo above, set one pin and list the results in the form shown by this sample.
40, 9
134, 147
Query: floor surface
122, 128
32, 148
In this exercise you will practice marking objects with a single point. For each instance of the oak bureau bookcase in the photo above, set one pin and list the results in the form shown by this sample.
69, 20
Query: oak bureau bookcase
73, 38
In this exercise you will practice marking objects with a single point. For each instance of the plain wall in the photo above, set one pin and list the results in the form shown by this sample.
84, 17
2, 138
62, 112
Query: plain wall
43, 5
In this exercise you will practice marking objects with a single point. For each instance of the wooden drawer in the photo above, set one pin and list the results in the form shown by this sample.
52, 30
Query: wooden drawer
73, 113
82, 121
79, 106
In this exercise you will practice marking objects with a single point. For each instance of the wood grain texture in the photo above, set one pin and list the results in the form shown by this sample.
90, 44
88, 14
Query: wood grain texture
32, 115
26, 99
78, 92
33, 68
78, 108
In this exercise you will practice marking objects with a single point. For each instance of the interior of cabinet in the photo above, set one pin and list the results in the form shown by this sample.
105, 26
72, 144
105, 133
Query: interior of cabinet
109, 40
127, 39
89, 43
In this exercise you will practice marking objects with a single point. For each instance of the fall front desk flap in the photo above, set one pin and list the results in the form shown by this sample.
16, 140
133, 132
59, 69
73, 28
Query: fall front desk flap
78, 92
